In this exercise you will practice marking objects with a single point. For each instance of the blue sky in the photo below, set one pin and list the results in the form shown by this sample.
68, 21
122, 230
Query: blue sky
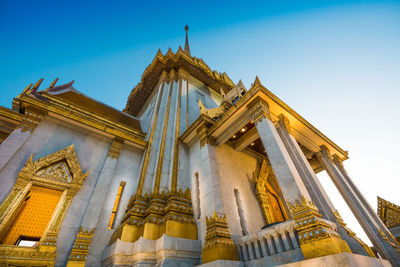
337, 63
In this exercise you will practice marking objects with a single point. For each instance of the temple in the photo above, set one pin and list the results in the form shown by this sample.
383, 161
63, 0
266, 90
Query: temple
196, 170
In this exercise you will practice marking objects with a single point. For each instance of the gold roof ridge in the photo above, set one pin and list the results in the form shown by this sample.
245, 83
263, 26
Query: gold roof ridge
181, 59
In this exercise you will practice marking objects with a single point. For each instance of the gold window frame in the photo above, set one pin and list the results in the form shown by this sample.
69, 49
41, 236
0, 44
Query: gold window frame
31, 175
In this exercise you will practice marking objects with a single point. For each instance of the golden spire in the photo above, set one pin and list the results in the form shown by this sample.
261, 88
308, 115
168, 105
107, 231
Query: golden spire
187, 49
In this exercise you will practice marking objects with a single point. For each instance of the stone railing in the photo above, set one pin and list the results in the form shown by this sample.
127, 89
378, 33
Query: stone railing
271, 241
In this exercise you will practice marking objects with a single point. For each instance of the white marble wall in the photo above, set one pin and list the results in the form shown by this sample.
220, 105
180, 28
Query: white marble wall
236, 171
127, 170
51, 136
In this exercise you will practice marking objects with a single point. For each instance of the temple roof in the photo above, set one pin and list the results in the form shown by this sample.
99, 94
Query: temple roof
67, 103
181, 59
389, 213
70, 95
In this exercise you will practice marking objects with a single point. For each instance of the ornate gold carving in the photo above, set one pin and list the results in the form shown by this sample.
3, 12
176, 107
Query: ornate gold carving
388, 212
60, 171
180, 59
115, 149
30, 120
174, 179
317, 237
20, 256
259, 110
202, 133
214, 113
152, 216
219, 244
266, 188
81, 245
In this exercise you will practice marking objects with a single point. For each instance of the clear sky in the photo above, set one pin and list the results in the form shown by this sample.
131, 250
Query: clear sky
337, 63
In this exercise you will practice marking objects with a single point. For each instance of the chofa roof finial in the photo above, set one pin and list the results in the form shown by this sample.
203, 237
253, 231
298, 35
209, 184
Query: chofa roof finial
187, 49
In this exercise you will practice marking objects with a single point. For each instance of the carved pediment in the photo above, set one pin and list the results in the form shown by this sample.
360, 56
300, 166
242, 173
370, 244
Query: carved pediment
61, 167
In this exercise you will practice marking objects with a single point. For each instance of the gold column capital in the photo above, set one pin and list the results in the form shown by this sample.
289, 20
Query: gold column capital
203, 136
284, 122
31, 119
115, 149
259, 109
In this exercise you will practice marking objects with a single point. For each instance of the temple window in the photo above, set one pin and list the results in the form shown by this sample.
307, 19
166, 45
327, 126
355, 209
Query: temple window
32, 213
33, 216
116, 205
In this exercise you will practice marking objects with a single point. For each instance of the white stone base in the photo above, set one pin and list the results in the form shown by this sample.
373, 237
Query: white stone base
342, 260
165, 251
222, 263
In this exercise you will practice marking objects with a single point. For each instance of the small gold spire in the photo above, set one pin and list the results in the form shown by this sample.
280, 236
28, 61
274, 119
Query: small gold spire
187, 49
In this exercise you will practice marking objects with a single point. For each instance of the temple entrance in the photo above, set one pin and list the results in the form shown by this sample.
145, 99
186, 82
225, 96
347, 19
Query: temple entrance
269, 195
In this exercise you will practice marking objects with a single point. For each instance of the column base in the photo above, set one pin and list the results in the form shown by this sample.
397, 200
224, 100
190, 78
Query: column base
218, 245
324, 247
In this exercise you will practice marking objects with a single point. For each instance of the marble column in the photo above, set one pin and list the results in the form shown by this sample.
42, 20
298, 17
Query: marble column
387, 248
218, 244
313, 231
99, 212
311, 182
18, 137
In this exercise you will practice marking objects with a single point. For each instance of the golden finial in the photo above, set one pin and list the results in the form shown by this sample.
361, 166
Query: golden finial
187, 49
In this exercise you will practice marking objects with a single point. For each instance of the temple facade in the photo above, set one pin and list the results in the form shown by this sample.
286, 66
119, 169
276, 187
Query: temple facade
196, 170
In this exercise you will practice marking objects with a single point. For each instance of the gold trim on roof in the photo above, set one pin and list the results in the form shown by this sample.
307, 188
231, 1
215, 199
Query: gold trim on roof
389, 213
195, 66
59, 108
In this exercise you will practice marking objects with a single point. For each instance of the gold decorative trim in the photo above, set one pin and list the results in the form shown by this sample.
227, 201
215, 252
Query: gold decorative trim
259, 110
59, 170
81, 246
164, 135
150, 142
115, 149
214, 113
179, 60
219, 244
317, 236
388, 212
174, 178
266, 174
152, 216
30, 120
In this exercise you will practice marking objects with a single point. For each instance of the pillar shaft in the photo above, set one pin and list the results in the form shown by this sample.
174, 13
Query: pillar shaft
314, 232
385, 247
311, 182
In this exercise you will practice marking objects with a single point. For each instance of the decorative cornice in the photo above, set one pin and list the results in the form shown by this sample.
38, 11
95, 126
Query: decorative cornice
60, 109
115, 149
30, 120
196, 67
259, 110
388, 212
172, 209
214, 113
